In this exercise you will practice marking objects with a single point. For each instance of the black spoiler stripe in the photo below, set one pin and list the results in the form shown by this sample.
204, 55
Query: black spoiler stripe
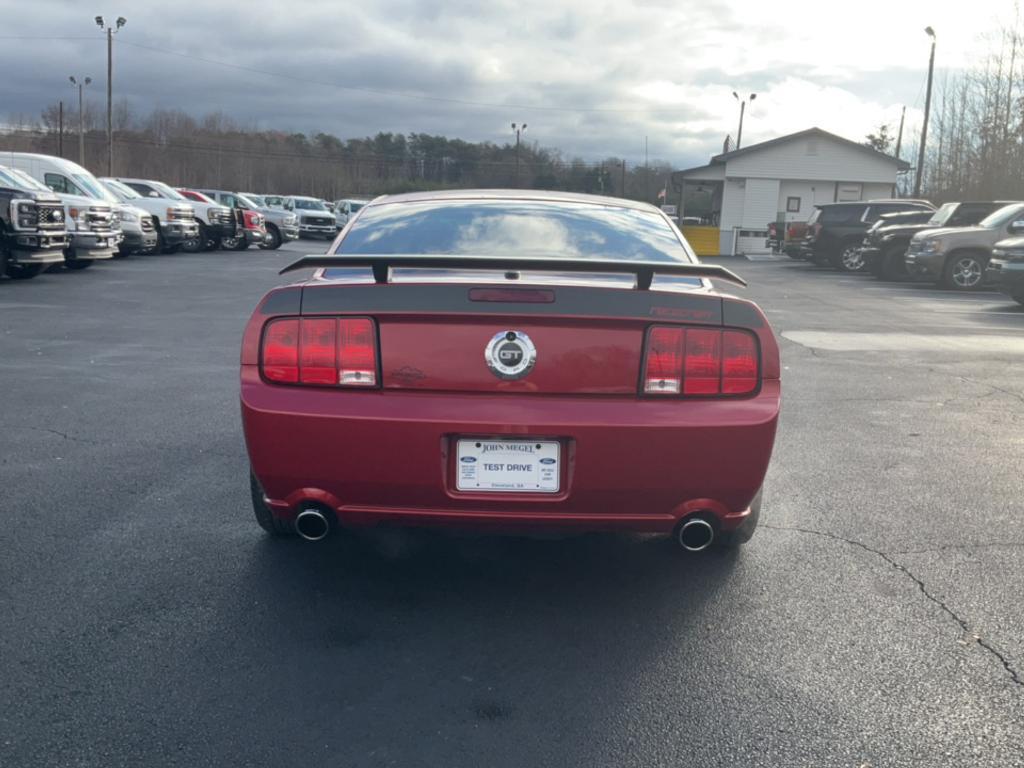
644, 270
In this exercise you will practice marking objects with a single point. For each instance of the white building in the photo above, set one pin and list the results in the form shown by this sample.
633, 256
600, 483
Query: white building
781, 180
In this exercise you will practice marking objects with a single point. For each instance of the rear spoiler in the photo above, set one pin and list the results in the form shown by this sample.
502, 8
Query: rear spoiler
644, 270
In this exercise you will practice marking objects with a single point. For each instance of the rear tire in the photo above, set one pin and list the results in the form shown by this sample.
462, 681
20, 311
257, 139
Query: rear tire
745, 532
264, 515
964, 271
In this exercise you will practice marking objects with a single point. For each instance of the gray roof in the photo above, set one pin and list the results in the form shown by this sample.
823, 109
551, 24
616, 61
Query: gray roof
724, 157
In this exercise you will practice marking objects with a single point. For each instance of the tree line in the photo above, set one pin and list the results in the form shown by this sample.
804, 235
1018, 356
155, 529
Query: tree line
975, 144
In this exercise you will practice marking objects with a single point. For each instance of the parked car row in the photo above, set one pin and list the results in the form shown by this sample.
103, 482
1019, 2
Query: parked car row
54, 211
961, 245
316, 217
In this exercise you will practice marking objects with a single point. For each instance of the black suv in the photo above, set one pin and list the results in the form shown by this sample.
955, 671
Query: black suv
836, 228
885, 246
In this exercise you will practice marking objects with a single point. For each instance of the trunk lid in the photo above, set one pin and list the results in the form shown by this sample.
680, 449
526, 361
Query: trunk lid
587, 340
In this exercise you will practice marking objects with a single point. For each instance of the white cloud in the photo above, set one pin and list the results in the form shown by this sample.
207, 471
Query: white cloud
665, 70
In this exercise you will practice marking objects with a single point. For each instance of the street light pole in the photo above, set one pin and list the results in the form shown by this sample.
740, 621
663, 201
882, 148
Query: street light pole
927, 110
743, 107
518, 129
110, 30
81, 117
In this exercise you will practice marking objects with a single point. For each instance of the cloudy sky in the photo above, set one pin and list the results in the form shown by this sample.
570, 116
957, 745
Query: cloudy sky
590, 77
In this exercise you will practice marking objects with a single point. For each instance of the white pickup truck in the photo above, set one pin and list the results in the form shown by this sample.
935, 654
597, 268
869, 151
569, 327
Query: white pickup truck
216, 222
93, 223
314, 218
175, 222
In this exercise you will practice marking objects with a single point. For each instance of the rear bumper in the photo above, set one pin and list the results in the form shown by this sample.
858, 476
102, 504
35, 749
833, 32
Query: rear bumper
388, 457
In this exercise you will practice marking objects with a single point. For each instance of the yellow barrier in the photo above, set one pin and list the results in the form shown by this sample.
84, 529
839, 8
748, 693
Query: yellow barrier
703, 240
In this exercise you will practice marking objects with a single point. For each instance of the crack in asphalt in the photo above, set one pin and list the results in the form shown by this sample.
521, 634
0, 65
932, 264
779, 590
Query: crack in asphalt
56, 432
968, 547
994, 388
992, 650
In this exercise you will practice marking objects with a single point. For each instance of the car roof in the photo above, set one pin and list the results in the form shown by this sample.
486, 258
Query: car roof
887, 200
514, 194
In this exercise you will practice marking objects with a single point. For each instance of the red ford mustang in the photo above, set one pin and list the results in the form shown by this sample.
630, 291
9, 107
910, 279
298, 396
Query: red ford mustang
510, 360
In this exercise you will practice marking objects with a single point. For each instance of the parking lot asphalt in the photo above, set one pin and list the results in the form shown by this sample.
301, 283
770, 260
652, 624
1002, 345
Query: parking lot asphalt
876, 618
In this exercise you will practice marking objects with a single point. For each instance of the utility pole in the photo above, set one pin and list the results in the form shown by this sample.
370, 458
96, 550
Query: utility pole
743, 107
899, 136
647, 175
81, 117
927, 110
518, 129
60, 129
110, 30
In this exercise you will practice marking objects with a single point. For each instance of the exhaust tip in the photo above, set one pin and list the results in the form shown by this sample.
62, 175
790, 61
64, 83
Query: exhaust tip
312, 525
696, 534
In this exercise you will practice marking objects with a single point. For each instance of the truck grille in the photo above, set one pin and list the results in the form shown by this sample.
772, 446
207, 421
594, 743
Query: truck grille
221, 216
50, 217
321, 221
146, 223
99, 219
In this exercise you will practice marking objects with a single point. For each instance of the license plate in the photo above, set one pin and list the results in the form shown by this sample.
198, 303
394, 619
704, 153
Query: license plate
508, 466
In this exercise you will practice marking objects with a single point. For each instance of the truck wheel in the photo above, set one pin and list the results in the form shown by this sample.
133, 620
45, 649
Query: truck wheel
24, 271
964, 271
273, 241
197, 244
264, 516
745, 532
850, 259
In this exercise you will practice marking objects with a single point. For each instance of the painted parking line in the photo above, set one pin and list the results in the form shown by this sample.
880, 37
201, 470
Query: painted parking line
907, 342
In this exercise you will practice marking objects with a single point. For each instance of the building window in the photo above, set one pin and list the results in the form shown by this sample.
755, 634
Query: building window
792, 205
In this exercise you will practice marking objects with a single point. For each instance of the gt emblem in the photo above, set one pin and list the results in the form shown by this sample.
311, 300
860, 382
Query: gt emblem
510, 355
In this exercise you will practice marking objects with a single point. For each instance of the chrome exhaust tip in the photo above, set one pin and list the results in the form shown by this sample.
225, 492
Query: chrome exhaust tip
312, 525
696, 534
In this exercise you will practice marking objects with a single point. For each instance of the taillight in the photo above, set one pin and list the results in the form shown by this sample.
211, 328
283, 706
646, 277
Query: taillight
664, 369
357, 352
700, 362
320, 351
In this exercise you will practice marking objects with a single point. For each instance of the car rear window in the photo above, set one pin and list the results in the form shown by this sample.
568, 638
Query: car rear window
841, 214
515, 228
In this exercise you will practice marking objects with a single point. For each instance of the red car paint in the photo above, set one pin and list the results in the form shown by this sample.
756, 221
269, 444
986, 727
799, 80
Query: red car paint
630, 461
198, 197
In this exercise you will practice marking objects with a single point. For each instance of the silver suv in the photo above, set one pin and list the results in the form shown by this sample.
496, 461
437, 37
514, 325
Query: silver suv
956, 257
